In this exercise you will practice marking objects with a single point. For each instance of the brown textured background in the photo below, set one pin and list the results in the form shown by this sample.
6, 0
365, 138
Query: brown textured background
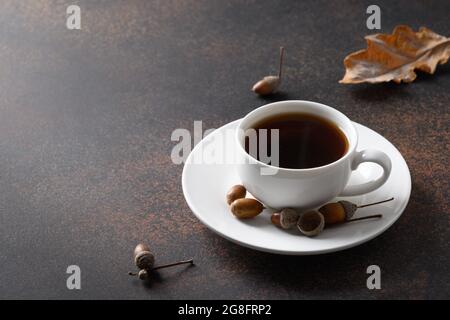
85, 124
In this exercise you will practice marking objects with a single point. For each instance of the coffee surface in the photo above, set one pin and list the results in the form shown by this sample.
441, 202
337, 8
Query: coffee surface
305, 140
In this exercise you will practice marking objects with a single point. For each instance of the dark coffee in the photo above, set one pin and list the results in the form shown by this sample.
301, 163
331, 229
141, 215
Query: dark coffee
305, 140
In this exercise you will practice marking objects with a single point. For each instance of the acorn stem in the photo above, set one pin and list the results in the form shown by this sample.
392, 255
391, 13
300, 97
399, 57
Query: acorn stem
366, 217
280, 67
373, 203
191, 261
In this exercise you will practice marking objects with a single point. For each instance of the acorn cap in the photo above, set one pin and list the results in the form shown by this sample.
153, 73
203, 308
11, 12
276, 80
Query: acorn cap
349, 208
144, 260
311, 223
143, 274
288, 218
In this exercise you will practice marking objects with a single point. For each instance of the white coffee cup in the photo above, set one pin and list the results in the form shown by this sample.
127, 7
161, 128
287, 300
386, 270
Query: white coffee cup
305, 188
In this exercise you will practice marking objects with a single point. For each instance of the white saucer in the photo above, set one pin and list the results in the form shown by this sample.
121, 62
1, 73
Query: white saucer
205, 187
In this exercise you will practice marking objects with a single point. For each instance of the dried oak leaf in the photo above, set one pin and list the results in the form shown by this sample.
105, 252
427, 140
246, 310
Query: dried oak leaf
395, 56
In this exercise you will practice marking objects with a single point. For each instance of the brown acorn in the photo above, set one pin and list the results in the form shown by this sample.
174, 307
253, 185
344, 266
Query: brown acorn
275, 219
343, 211
246, 208
269, 84
145, 261
236, 192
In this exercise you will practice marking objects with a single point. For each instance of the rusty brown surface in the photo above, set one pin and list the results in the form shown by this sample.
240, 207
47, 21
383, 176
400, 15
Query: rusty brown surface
85, 124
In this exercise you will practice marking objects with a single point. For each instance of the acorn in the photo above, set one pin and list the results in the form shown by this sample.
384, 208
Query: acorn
145, 261
143, 258
311, 223
343, 211
143, 274
286, 218
236, 192
275, 219
246, 208
269, 84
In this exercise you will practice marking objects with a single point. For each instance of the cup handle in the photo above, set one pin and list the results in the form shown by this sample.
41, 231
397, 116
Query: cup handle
369, 155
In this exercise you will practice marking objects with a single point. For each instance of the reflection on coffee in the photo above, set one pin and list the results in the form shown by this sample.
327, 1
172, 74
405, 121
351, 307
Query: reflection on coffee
305, 140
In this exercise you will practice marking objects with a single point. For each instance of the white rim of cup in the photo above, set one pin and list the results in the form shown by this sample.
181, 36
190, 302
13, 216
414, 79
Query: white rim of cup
271, 105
